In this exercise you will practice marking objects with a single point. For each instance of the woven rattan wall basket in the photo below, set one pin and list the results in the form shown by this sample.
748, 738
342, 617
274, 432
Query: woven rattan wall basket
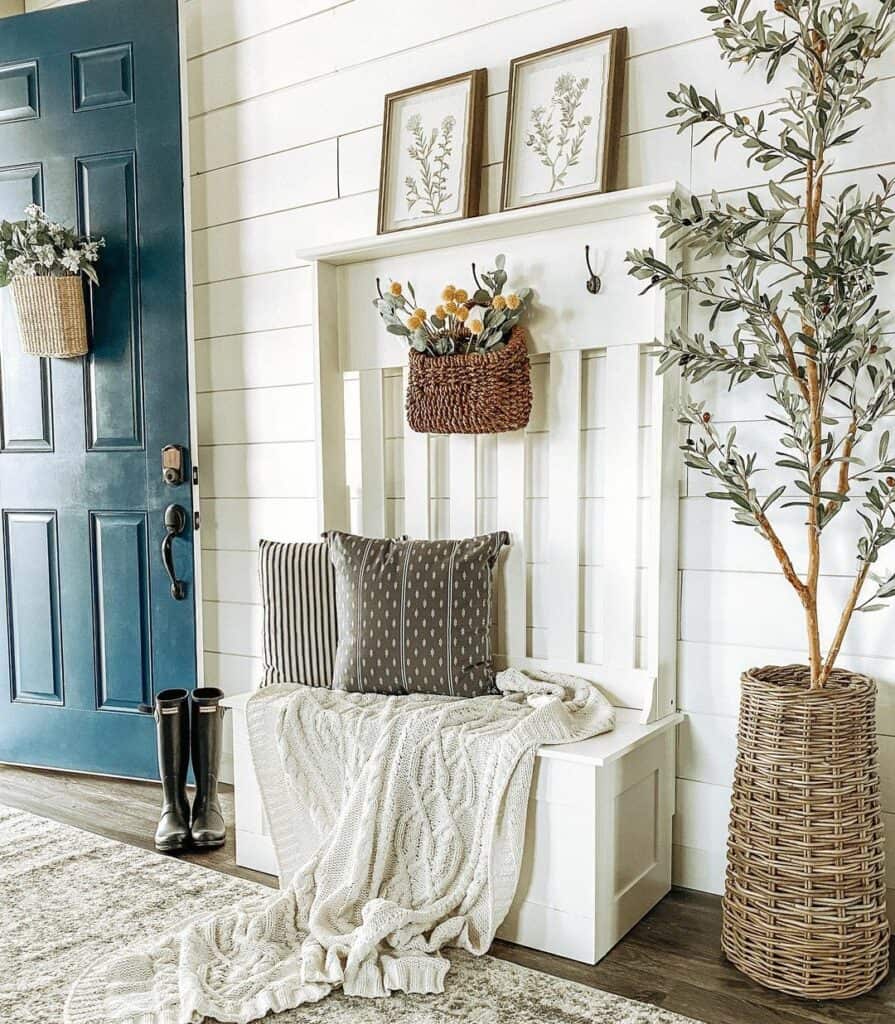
471, 394
50, 312
804, 907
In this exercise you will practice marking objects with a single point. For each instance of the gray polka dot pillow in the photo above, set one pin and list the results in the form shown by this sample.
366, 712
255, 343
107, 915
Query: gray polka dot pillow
414, 615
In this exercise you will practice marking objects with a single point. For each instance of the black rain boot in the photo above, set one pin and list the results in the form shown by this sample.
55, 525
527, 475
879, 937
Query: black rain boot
207, 717
172, 719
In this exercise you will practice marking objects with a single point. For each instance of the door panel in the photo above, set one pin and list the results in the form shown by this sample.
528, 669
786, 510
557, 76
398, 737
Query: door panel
19, 96
120, 588
103, 77
89, 631
30, 545
107, 207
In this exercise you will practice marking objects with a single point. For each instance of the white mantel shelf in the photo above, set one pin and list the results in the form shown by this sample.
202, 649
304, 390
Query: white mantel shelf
529, 220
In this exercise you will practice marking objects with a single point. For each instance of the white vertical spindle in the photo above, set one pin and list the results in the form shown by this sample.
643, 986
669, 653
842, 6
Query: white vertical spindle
416, 481
372, 447
621, 516
662, 520
513, 581
564, 505
462, 485
329, 402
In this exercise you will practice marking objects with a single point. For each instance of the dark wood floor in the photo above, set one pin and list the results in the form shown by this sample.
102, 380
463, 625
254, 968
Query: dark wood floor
671, 959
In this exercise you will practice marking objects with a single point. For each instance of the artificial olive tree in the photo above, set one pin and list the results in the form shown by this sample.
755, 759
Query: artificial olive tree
798, 264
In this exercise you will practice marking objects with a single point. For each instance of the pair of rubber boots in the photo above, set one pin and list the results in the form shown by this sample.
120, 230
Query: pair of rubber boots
189, 724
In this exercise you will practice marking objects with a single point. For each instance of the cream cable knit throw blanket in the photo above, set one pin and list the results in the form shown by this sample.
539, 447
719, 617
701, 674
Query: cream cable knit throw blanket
416, 806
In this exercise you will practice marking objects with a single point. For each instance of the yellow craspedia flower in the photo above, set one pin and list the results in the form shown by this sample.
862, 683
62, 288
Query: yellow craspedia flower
395, 287
449, 292
462, 313
451, 307
421, 313
476, 326
414, 322
498, 302
460, 295
440, 312
513, 301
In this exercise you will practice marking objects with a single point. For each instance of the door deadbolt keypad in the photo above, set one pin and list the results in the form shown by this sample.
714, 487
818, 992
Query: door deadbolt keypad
173, 460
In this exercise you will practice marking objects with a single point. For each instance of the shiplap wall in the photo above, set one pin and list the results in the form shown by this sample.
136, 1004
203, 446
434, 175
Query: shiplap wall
286, 105
285, 132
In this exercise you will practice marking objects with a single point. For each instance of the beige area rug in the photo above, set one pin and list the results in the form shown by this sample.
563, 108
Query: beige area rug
68, 897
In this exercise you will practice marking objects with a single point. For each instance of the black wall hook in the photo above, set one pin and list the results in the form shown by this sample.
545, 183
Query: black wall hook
594, 284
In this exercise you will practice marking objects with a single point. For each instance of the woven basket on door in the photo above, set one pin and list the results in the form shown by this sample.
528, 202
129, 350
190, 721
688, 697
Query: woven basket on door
804, 907
50, 311
478, 393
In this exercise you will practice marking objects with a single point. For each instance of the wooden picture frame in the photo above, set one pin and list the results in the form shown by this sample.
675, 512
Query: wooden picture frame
407, 196
582, 80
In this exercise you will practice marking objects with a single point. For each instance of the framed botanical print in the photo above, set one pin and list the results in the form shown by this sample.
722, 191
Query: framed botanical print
563, 120
432, 152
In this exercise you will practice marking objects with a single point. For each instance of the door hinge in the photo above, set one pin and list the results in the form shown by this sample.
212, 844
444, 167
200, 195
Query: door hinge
195, 476
195, 520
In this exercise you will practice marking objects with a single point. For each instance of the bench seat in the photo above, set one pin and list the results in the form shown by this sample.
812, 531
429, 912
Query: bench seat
597, 851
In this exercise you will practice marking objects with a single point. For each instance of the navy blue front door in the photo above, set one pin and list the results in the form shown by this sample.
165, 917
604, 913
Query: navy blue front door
89, 631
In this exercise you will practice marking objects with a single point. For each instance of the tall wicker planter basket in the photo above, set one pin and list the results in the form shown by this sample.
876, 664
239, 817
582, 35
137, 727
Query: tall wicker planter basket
804, 907
50, 311
471, 394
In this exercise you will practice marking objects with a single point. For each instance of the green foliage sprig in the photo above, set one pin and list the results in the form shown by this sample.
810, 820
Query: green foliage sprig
799, 270
432, 154
460, 324
39, 247
559, 148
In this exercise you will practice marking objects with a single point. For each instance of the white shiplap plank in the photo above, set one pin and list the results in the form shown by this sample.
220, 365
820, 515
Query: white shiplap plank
709, 674
255, 415
232, 628
285, 470
238, 524
281, 181
233, 673
565, 481
258, 360
214, 24
261, 303
231, 576
739, 607
268, 243
360, 153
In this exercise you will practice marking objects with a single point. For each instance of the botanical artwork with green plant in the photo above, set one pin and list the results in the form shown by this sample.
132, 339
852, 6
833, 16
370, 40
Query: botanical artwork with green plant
431, 152
557, 130
39, 247
460, 323
798, 264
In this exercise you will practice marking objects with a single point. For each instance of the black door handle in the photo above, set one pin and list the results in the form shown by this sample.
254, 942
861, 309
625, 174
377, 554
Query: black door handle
175, 524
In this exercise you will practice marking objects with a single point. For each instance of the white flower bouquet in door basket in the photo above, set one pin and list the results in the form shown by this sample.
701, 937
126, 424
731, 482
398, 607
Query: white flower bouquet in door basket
43, 263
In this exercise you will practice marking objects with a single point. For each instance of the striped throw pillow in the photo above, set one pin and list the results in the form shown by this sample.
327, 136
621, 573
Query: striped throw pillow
298, 588
415, 615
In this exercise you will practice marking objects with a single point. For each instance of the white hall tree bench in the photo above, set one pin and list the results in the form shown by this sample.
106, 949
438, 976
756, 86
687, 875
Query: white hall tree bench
589, 494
